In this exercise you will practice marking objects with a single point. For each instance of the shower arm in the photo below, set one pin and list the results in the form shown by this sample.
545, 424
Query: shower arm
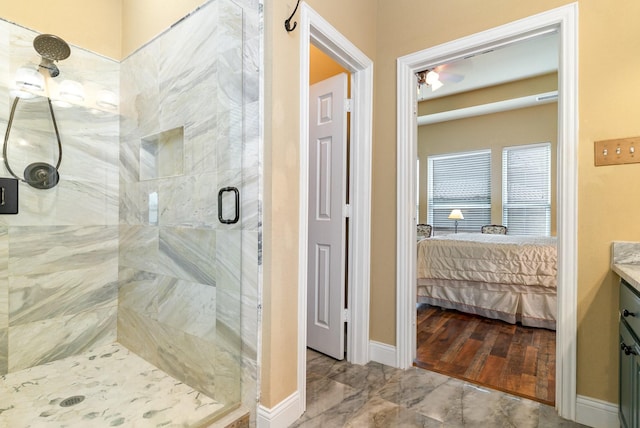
6, 137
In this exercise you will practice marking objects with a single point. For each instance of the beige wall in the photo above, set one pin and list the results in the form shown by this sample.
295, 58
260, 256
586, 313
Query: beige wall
113, 28
92, 24
507, 91
493, 131
142, 20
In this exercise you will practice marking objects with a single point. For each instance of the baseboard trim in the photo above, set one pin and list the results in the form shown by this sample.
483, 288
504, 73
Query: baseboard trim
596, 413
282, 415
383, 353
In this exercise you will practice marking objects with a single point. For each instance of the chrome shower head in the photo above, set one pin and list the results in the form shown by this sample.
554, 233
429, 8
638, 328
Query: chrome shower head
51, 48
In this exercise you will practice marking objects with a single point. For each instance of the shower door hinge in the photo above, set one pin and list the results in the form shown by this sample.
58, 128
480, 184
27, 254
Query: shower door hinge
346, 316
348, 103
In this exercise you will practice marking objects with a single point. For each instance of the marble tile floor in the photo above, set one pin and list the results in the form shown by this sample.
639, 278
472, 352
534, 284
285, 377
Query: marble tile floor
340, 394
120, 389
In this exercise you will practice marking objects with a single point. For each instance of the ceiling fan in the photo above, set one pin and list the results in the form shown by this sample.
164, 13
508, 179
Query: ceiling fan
436, 77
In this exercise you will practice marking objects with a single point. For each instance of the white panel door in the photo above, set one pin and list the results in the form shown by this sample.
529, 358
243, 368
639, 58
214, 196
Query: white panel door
327, 193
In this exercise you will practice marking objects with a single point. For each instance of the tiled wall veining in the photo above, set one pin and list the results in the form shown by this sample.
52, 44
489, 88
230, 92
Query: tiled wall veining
59, 254
187, 282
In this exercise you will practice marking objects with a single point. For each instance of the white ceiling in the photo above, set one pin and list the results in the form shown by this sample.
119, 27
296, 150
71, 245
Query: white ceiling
521, 60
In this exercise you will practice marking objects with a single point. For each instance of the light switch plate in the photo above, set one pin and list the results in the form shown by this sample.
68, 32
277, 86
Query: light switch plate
617, 152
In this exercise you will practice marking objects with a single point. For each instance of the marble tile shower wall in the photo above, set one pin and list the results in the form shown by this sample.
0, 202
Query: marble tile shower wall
59, 255
189, 284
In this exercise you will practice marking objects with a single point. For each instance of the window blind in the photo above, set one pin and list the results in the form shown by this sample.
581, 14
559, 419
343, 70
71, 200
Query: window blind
526, 189
459, 181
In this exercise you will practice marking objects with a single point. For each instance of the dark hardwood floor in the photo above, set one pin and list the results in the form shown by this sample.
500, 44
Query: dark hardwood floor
511, 358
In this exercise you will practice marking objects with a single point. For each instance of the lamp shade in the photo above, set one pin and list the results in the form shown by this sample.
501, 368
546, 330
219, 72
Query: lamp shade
456, 215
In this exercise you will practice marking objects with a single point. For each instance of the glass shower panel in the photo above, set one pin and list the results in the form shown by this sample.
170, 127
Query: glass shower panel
180, 242
229, 167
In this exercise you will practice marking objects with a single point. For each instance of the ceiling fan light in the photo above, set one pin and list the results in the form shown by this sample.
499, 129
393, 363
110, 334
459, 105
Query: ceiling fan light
436, 85
432, 77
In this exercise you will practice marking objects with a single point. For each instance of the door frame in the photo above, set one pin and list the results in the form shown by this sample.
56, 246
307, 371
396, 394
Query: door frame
565, 20
317, 31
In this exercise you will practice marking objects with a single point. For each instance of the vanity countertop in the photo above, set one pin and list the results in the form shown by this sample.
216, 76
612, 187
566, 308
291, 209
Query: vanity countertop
625, 261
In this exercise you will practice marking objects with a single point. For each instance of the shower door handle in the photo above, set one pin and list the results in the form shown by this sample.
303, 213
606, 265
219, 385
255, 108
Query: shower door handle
237, 205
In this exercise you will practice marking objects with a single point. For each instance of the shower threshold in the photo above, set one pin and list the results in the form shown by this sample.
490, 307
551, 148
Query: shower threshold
117, 387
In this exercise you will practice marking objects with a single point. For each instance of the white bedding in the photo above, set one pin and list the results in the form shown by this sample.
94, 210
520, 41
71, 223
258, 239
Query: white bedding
501, 259
512, 278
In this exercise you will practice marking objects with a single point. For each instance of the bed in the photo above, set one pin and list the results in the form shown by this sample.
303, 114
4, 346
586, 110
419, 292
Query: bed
506, 277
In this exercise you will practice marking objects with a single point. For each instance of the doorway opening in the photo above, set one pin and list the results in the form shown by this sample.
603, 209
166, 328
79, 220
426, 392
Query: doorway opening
316, 31
487, 150
564, 21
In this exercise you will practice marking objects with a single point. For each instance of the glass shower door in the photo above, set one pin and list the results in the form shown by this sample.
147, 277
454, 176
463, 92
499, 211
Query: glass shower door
181, 220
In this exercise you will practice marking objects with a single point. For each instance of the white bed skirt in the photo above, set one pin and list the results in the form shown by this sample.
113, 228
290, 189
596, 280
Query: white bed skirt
533, 306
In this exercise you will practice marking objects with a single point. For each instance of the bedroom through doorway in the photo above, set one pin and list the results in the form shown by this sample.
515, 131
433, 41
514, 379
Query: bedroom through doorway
487, 156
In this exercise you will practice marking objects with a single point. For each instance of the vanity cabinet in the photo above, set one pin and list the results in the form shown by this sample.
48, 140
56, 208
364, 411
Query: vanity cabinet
629, 389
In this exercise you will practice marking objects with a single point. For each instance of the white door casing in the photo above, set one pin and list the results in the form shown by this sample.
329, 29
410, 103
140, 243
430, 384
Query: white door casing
314, 29
563, 19
327, 191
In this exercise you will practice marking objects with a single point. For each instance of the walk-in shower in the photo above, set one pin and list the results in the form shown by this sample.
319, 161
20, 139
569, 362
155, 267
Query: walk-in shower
130, 283
40, 175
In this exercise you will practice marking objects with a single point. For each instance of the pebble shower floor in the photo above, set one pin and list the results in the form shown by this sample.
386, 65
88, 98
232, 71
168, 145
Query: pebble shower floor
106, 387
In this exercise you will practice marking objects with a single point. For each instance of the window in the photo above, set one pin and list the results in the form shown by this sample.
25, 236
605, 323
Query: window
459, 181
526, 189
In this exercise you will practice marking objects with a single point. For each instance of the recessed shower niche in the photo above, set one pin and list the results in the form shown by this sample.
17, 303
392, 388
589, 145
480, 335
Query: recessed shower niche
162, 154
